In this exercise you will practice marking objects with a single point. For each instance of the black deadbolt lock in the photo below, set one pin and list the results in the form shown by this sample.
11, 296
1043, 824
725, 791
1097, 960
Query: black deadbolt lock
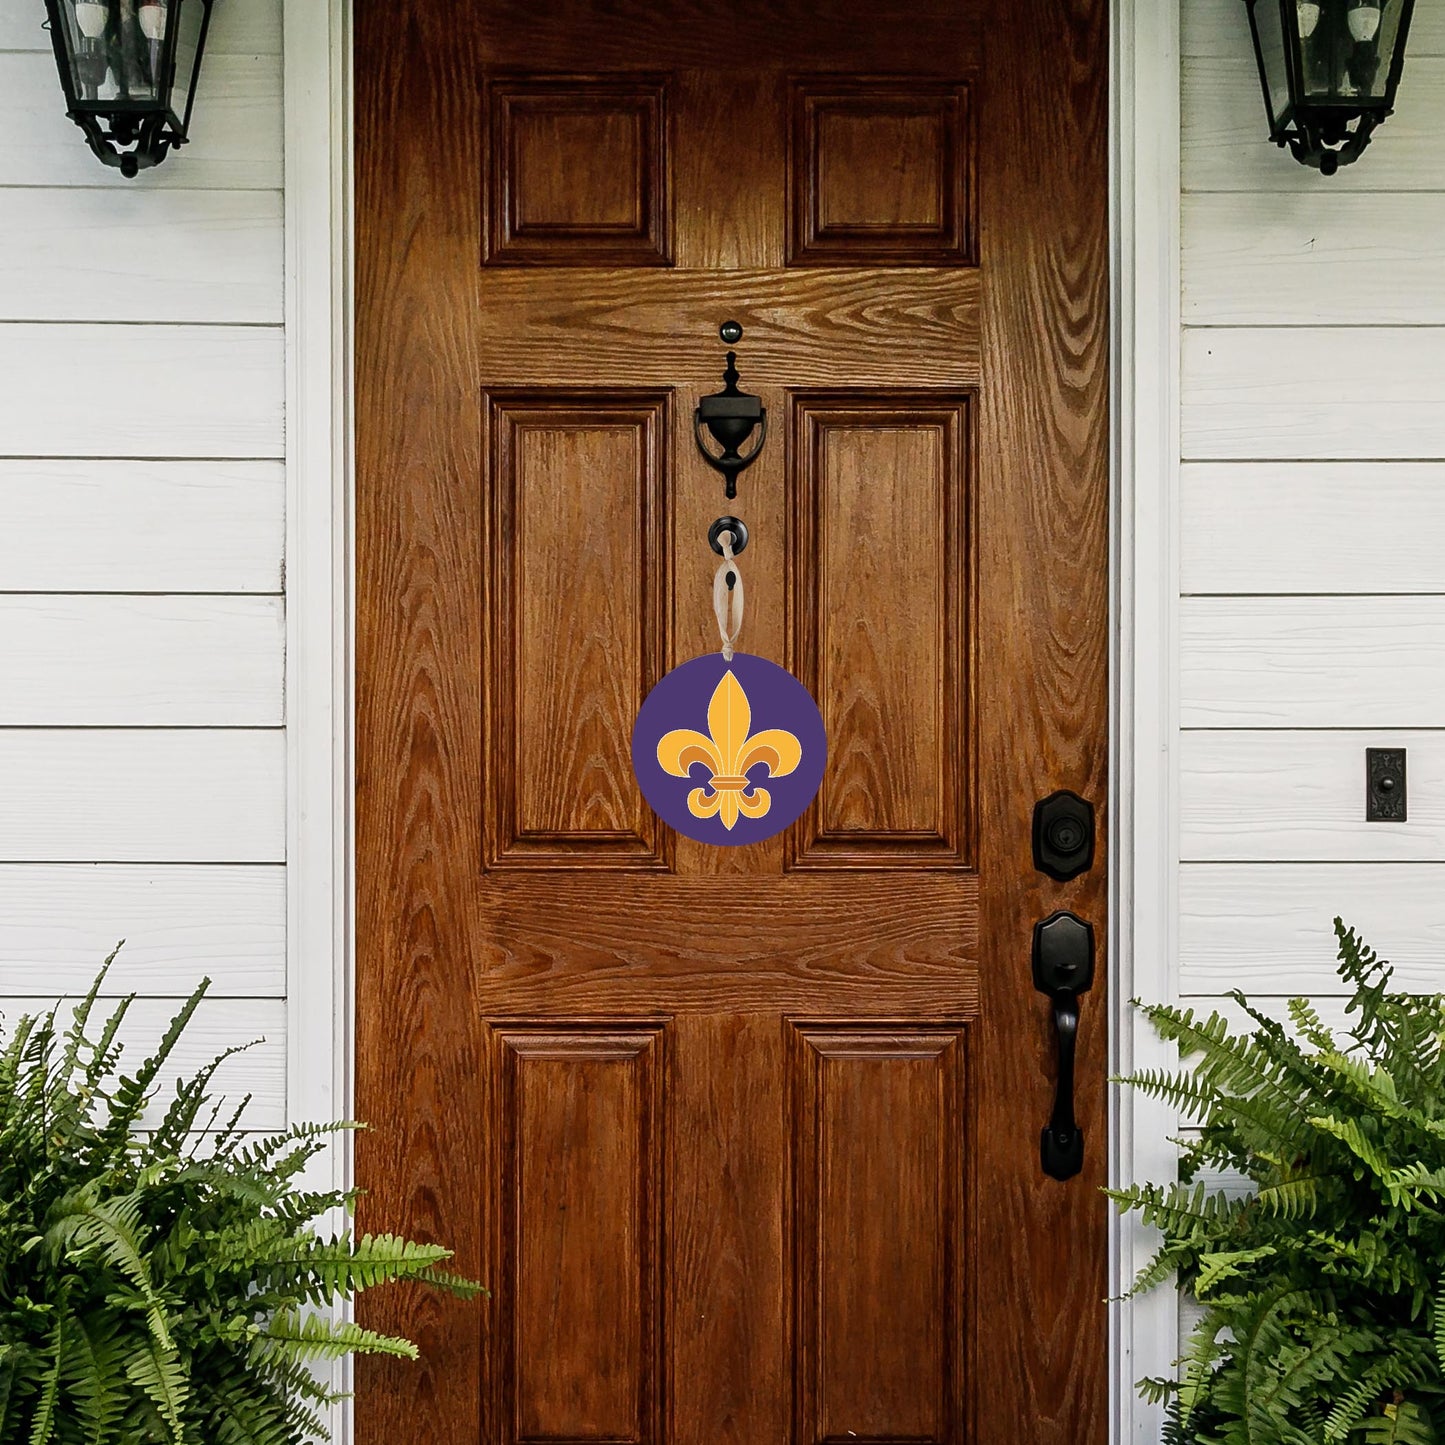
1063, 836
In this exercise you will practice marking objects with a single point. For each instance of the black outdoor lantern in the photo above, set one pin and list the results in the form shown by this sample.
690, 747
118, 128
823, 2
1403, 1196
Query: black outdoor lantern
1330, 69
129, 68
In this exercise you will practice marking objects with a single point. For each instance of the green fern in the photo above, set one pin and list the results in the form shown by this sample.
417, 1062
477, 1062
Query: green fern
167, 1285
1322, 1283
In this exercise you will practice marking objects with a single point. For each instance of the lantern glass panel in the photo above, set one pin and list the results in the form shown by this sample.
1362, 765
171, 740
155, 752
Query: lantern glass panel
133, 54
1345, 58
190, 25
1268, 19
115, 62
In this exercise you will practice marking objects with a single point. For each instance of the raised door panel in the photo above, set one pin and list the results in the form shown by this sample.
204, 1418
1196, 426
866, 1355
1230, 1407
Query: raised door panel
880, 574
576, 1339
879, 1233
576, 492
578, 172
880, 173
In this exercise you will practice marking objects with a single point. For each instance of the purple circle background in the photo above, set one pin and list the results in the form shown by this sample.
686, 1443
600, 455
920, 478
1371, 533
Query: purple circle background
680, 700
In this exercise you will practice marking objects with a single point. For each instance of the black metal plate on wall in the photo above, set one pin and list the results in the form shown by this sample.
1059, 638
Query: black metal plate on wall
1385, 799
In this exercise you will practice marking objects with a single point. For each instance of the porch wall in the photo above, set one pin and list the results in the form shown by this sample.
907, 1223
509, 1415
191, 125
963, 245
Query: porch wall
142, 518
1312, 528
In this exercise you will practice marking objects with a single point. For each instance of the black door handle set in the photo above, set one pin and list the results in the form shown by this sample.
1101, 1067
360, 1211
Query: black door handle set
1063, 966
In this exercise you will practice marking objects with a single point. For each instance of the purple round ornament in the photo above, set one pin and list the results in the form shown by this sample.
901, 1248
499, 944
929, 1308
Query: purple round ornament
729, 752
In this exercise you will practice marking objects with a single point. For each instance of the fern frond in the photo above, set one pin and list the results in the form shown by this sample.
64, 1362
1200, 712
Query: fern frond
42, 1426
1227, 1264
114, 1228
132, 1094
1310, 1025
94, 1373
313, 1337
1292, 1199
157, 1371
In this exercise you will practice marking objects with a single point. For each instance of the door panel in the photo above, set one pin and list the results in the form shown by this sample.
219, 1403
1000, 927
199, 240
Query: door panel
879, 1232
580, 1176
881, 564
561, 717
745, 1141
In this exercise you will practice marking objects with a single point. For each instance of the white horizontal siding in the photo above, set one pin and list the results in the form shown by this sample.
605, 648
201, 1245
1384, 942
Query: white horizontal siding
1270, 260
141, 661
141, 391
1268, 930
1313, 392
1330, 527
235, 133
180, 924
1225, 143
238, 27
142, 491
1310, 662
1282, 796
175, 255
1312, 508
1221, 28
188, 526
139, 795
219, 1024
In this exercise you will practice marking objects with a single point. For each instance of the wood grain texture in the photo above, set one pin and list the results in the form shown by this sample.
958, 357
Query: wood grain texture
903, 944
1268, 929
98, 255
188, 526
1300, 797
1042, 683
804, 328
218, 1024
560, 736
579, 1215
1326, 527
1221, 28
180, 924
1269, 260
88, 795
235, 139
224, 391
724, 950
890, 39
882, 555
578, 171
420, 606
1312, 662
1293, 393
879, 1114
880, 172
1225, 144
82, 661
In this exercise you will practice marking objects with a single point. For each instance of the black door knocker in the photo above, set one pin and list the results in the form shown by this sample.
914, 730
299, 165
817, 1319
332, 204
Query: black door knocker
731, 416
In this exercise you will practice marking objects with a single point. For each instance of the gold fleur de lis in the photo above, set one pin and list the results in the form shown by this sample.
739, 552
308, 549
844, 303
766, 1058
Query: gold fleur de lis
728, 754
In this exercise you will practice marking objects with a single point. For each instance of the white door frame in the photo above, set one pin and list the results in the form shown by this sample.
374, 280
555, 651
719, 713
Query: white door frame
1144, 223
1144, 845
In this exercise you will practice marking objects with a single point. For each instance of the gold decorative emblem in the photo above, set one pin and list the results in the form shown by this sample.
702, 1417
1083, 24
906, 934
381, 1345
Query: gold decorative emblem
727, 755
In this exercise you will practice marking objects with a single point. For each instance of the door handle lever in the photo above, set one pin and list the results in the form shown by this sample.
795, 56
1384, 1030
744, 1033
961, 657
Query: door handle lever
1063, 963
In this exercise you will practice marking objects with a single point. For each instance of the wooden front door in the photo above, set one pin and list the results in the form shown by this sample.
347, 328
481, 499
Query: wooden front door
745, 1142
